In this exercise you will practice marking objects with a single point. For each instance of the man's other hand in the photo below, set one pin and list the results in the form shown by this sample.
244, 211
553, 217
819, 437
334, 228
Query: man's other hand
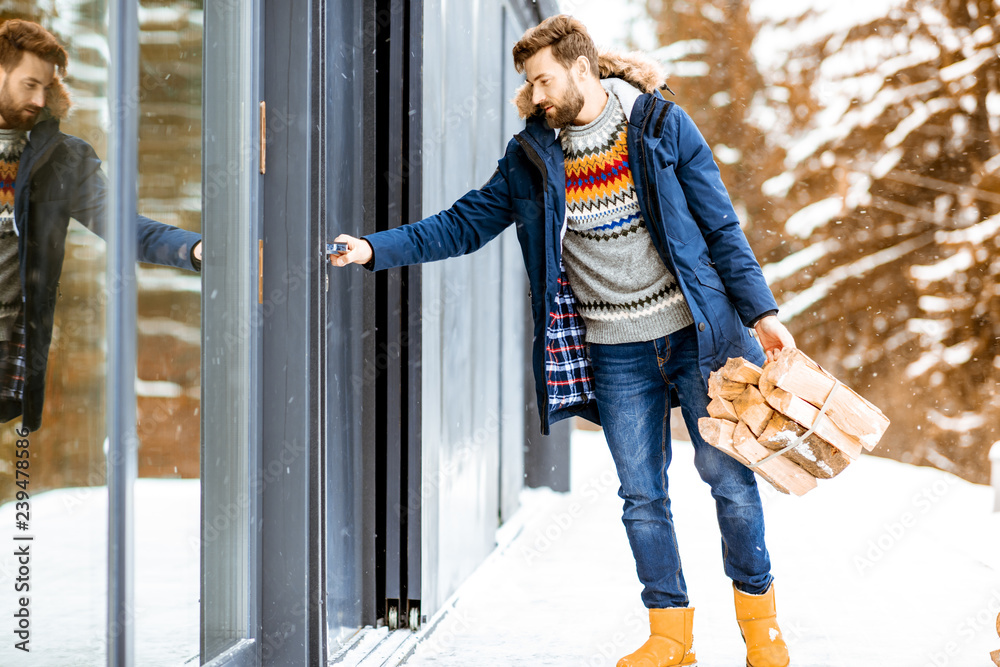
773, 335
358, 251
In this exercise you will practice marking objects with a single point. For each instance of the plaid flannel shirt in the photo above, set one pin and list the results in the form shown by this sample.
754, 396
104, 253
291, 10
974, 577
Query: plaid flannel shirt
568, 373
12, 361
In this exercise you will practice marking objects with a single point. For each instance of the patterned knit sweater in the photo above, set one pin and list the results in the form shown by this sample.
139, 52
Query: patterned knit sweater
624, 291
12, 144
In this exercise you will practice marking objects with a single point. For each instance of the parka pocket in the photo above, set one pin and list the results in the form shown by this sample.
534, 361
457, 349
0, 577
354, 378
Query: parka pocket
675, 214
726, 322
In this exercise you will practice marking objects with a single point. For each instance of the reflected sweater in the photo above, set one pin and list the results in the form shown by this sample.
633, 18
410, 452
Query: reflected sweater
12, 144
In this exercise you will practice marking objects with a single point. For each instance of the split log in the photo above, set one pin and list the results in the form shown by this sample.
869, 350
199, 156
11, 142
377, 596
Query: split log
816, 456
806, 414
781, 472
719, 433
753, 410
765, 385
740, 370
720, 387
720, 408
741, 434
796, 373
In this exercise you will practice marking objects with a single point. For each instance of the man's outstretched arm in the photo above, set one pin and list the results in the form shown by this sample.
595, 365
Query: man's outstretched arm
156, 242
471, 222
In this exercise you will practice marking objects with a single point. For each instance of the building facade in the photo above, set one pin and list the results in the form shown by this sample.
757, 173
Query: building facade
309, 451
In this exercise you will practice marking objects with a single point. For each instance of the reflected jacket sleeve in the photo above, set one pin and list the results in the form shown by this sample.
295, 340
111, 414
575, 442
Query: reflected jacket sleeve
157, 243
470, 223
712, 208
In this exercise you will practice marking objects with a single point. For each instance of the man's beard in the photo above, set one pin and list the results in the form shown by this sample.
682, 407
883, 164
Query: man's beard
18, 118
566, 111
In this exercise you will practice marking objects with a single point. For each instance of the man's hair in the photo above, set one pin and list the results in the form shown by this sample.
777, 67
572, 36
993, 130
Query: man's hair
568, 38
17, 36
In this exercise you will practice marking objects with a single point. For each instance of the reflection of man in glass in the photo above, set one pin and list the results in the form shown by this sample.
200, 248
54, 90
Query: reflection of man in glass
46, 178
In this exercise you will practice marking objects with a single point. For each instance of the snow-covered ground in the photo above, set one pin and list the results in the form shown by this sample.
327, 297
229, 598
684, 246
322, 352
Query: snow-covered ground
887, 565
68, 576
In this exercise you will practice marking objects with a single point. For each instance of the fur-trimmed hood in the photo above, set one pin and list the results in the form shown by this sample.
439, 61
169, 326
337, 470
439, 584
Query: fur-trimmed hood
57, 102
635, 67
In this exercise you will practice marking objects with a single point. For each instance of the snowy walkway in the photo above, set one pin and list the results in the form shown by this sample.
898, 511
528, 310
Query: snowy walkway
888, 565
850, 558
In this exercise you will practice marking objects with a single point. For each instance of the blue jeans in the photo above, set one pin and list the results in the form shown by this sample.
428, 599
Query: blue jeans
633, 383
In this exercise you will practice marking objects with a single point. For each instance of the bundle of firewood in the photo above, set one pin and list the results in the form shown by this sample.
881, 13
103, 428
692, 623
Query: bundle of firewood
791, 422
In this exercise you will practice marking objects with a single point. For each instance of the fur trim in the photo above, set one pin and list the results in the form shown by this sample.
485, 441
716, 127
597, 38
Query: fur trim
57, 100
635, 67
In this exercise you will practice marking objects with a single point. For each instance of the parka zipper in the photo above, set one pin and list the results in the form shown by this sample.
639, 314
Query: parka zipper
653, 211
536, 160
645, 167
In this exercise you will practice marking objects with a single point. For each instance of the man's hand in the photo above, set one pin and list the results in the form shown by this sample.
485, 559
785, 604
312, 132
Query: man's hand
773, 336
197, 251
358, 251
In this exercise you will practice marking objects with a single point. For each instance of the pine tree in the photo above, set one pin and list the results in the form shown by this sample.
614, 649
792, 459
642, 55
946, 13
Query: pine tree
867, 158
893, 174
707, 51
905, 299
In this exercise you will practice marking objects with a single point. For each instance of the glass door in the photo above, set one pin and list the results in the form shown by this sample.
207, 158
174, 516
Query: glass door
53, 355
232, 470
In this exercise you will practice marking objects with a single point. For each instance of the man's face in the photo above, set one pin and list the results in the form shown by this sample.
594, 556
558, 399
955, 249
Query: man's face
22, 91
554, 88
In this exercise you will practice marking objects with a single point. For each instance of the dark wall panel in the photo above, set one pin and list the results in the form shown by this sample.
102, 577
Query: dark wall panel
472, 306
293, 382
348, 325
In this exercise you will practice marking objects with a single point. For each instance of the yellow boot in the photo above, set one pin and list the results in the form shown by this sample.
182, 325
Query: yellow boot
759, 625
669, 644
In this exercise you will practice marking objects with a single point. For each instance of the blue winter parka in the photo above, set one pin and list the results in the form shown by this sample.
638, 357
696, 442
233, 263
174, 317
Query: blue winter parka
687, 211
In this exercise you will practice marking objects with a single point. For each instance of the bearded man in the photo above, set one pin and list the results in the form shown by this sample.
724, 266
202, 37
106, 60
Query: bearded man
642, 283
46, 178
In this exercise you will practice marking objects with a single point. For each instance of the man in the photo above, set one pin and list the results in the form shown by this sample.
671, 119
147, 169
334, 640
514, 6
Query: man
47, 177
642, 283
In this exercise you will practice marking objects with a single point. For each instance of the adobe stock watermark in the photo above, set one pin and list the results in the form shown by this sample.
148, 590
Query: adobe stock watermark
233, 512
895, 531
593, 490
448, 470
980, 621
444, 636
619, 644
431, 311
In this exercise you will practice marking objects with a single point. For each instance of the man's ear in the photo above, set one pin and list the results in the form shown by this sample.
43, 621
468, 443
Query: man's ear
582, 66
